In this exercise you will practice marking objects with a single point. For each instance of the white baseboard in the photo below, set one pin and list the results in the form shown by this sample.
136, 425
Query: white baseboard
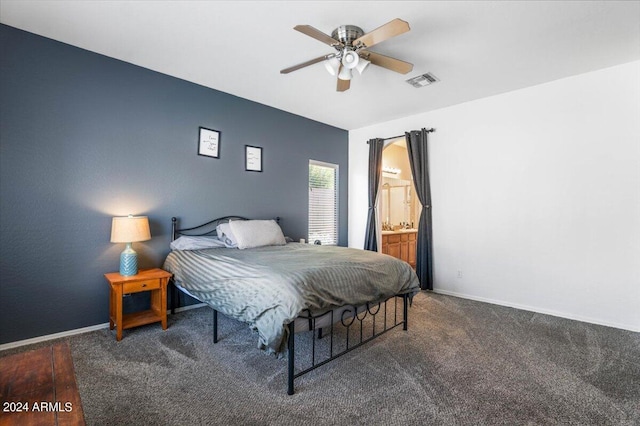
538, 310
39, 339
82, 330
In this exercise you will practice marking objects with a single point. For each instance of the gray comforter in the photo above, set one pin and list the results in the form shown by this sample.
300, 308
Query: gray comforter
268, 287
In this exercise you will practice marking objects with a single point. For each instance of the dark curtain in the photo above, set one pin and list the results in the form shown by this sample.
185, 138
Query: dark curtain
419, 161
375, 173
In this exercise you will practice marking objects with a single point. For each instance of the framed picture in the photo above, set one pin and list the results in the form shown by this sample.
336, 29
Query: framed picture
253, 158
209, 143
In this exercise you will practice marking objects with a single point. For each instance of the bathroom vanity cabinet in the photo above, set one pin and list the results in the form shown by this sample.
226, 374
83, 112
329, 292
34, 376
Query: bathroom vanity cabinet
401, 244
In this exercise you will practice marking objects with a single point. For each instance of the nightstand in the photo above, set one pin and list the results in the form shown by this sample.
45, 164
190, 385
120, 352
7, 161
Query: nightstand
152, 280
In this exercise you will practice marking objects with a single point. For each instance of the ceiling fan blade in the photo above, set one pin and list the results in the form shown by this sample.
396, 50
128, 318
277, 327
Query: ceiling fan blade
343, 85
317, 34
380, 34
306, 64
387, 62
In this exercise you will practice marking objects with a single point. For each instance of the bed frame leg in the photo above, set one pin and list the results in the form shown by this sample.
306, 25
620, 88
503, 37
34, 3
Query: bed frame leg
405, 311
290, 355
215, 326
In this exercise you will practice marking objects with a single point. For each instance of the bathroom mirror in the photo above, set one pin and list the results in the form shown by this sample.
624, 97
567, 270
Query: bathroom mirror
397, 202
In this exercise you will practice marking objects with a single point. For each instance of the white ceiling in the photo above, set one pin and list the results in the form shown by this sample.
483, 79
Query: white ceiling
475, 48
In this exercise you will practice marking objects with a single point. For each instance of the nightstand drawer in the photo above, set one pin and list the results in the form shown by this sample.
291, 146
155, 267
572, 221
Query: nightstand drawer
138, 286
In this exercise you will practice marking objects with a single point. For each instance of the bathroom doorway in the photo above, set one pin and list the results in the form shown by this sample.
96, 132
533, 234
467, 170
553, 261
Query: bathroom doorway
398, 206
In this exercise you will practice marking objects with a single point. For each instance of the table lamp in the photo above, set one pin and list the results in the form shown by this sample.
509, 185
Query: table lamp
128, 230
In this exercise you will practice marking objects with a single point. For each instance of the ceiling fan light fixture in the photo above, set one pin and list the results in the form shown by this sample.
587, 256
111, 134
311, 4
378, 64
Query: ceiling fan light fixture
345, 74
362, 65
332, 65
350, 59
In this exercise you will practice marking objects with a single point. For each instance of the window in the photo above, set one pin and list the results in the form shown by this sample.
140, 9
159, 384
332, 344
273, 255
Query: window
323, 202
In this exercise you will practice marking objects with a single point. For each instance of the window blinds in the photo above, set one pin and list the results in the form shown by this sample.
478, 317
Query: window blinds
323, 202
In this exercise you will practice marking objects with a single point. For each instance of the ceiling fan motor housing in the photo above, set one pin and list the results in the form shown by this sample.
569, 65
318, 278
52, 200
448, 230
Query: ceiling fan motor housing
347, 34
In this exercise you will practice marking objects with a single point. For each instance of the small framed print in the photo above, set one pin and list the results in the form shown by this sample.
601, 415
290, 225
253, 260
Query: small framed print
209, 143
253, 158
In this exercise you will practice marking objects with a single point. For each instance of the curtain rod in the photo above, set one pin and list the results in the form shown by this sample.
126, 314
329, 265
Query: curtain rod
401, 136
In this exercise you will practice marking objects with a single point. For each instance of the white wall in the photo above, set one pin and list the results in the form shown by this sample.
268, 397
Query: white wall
535, 194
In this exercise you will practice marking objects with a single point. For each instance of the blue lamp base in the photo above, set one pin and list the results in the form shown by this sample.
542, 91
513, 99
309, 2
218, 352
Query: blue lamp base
128, 261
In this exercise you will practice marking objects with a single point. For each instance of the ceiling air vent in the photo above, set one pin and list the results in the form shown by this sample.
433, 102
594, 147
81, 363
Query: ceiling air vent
422, 80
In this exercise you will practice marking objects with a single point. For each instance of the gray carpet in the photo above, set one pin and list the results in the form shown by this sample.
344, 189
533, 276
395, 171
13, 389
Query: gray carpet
461, 362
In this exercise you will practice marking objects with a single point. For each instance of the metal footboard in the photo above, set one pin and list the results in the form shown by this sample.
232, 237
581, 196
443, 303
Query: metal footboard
349, 319
379, 318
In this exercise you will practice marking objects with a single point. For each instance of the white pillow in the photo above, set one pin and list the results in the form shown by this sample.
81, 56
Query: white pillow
187, 242
257, 233
226, 235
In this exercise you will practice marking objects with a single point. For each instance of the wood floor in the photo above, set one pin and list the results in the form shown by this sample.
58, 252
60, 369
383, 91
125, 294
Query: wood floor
39, 388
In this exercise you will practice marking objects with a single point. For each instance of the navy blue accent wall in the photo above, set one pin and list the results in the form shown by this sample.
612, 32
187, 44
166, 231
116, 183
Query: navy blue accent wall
85, 137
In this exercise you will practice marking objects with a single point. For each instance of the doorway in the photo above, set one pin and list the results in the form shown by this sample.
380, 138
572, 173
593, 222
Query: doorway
398, 207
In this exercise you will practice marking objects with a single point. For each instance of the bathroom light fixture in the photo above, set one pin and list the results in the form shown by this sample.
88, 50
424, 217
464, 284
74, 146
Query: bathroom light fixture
392, 170
128, 230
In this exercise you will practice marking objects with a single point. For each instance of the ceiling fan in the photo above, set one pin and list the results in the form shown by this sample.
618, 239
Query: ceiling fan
352, 50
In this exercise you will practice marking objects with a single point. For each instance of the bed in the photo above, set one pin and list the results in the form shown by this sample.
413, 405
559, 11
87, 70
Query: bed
247, 270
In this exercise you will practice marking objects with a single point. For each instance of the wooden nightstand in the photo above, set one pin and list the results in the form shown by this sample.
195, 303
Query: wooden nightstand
153, 280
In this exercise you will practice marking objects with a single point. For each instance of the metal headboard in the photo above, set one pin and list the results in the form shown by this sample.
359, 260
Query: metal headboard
208, 228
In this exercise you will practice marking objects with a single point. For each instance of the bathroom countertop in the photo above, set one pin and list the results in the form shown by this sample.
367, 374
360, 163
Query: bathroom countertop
399, 231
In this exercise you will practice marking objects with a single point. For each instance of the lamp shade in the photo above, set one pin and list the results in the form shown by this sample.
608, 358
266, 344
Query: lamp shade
130, 229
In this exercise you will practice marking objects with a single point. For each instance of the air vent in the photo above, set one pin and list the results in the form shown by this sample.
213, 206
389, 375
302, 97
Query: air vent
422, 80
